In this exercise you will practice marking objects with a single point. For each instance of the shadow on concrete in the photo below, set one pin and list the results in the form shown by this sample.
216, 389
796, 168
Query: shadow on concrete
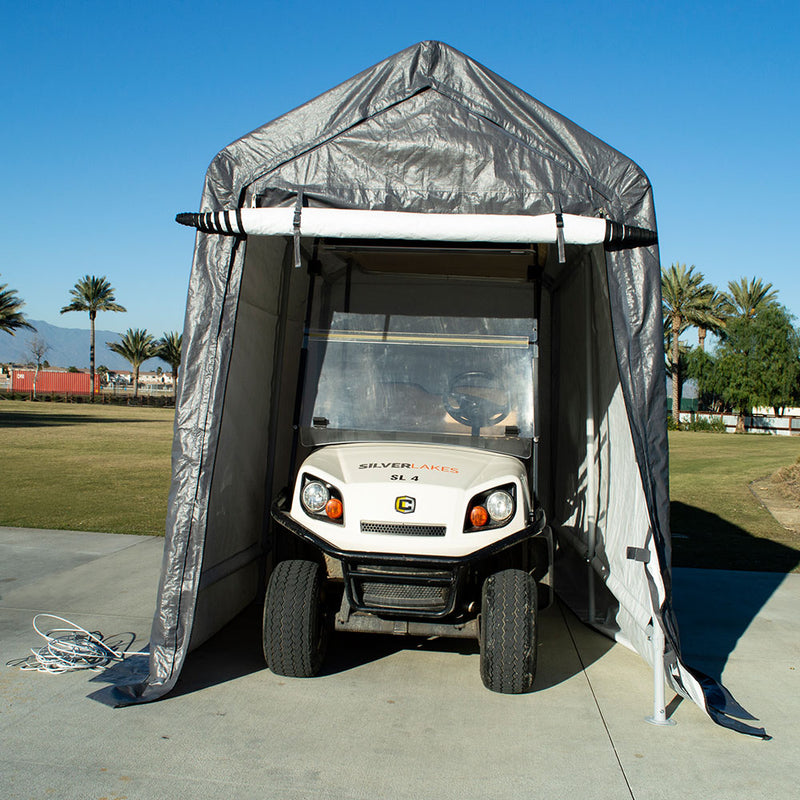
722, 579
580, 641
236, 651
714, 608
558, 656
702, 539
134, 668
232, 653
351, 650
46, 419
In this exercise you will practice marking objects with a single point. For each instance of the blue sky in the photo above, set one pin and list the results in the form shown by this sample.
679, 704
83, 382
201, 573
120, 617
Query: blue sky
112, 112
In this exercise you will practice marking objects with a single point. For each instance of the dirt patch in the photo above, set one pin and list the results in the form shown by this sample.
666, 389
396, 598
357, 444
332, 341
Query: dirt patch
787, 482
780, 495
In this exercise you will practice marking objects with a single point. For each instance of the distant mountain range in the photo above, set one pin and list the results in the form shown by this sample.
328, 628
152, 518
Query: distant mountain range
69, 347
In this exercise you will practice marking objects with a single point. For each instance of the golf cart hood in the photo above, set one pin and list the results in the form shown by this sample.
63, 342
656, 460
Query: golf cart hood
409, 498
433, 465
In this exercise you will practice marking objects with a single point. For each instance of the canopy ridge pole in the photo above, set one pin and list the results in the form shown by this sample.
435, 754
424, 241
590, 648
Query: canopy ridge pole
553, 228
591, 455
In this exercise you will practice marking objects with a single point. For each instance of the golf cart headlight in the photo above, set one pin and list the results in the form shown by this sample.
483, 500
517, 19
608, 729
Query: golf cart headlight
315, 496
500, 506
490, 509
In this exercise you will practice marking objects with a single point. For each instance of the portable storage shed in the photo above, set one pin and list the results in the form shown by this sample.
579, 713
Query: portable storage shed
427, 131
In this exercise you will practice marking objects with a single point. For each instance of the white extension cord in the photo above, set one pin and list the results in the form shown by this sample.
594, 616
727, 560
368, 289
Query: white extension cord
67, 649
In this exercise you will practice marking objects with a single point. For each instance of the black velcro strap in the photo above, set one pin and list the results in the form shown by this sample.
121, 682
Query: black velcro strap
562, 253
226, 222
638, 554
298, 208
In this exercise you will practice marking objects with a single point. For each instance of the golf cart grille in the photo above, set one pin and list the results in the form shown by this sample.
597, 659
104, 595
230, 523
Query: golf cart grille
398, 595
387, 589
401, 529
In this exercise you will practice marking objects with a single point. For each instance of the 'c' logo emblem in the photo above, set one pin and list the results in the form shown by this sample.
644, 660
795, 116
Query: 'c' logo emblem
405, 505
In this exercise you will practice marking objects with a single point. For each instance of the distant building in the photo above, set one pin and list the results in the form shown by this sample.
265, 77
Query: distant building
163, 379
150, 382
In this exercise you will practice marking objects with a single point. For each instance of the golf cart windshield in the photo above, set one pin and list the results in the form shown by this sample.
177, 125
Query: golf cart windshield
444, 380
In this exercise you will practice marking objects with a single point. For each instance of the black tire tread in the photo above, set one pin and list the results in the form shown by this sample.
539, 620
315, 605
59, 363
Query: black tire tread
294, 640
509, 632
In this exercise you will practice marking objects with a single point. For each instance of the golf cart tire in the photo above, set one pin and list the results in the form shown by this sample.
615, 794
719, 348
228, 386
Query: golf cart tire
295, 627
508, 632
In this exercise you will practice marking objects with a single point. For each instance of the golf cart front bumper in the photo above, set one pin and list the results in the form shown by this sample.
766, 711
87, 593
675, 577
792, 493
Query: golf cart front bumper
403, 584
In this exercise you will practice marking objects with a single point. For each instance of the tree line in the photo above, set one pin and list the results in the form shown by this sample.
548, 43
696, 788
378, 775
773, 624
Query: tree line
93, 294
757, 359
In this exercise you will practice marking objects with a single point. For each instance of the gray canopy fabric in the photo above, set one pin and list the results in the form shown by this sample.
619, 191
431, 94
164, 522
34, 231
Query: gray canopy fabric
429, 131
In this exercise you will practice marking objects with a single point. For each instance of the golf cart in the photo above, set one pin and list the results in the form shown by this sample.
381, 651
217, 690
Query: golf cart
413, 508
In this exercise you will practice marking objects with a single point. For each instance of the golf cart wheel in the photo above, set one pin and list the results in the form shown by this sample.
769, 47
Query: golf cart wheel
508, 632
295, 630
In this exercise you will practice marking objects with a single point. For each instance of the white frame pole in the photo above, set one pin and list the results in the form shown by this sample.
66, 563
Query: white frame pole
659, 678
591, 455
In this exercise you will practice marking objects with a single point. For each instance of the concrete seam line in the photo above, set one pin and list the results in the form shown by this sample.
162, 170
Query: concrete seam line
596, 702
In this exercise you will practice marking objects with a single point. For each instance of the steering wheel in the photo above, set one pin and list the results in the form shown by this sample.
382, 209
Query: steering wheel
467, 400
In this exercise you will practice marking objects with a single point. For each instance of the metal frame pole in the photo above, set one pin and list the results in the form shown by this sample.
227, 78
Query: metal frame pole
659, 708
591, 453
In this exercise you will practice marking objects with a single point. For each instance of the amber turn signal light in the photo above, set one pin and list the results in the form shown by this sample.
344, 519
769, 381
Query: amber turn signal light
334, 508
479, 516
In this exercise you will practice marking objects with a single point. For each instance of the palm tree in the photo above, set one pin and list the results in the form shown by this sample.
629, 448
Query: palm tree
11, 317
745, 299
169, 350
136, 346
92, 294
715, 321
685, 301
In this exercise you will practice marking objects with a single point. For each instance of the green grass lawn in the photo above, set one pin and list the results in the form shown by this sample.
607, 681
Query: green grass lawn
107, 468
85, 467
716, 520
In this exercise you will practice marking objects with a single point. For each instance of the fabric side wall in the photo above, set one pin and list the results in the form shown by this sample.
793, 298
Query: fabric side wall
600, 507
208, 334
232, 563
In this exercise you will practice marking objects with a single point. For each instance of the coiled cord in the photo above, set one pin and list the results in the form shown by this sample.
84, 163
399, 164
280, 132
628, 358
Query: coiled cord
69, 648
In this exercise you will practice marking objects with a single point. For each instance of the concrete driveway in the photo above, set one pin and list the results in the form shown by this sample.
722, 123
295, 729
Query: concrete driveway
390, 718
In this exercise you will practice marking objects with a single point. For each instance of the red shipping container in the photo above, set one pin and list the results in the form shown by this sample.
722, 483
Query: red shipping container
51, 381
